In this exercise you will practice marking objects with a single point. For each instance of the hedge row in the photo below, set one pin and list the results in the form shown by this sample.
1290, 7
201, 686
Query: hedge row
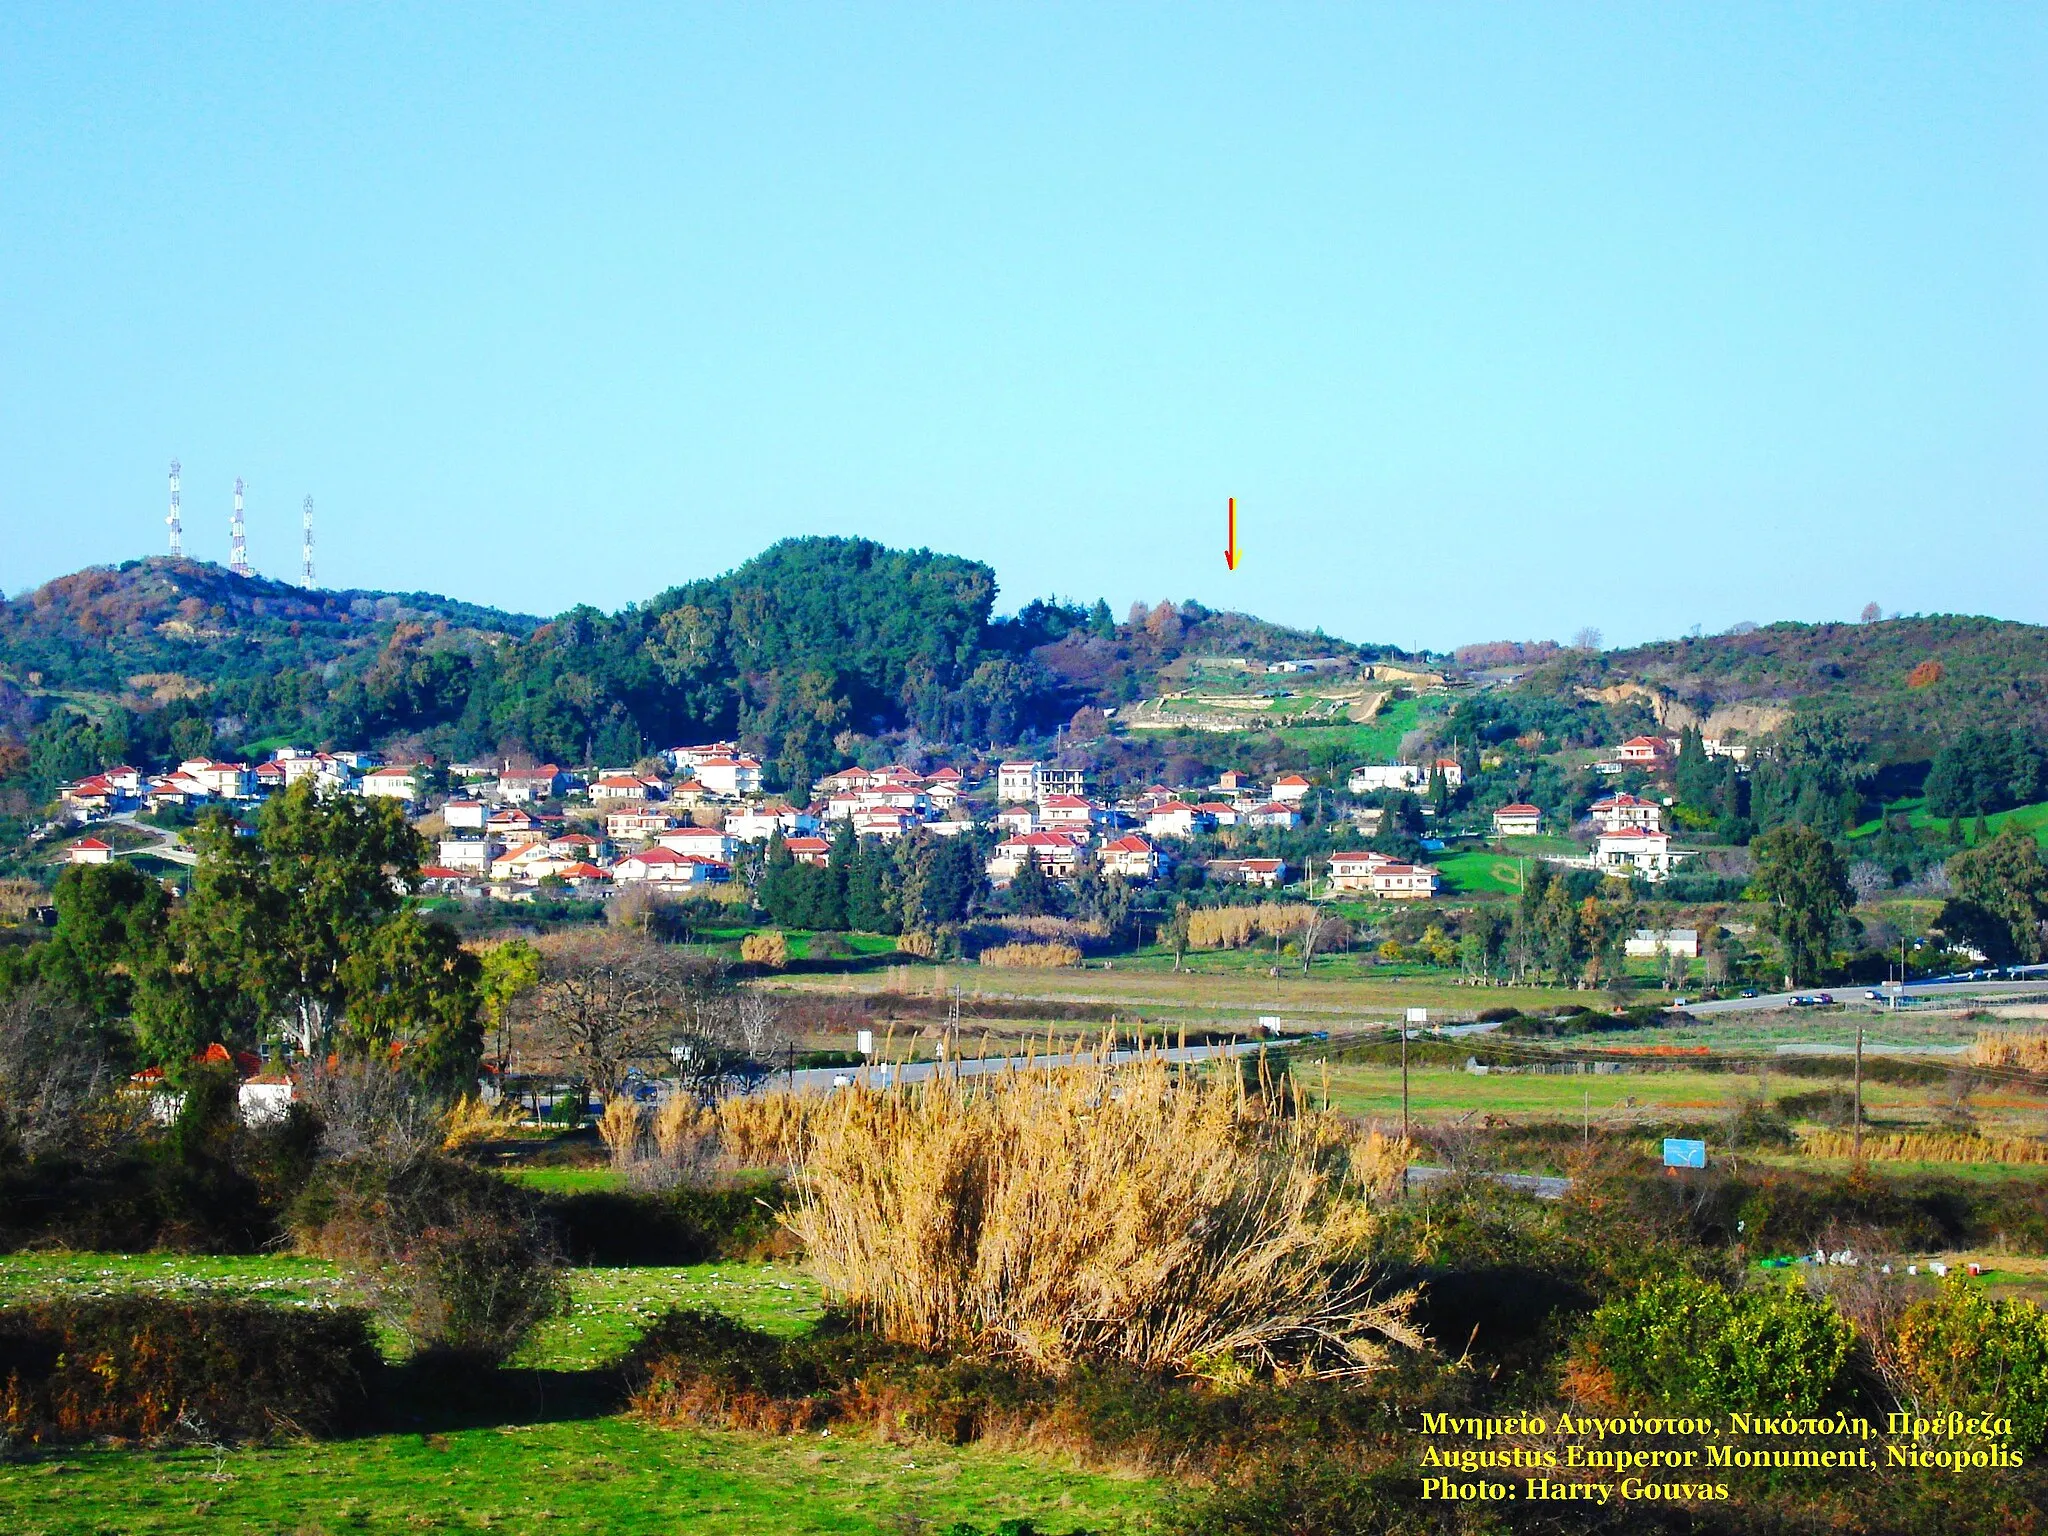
142, 1368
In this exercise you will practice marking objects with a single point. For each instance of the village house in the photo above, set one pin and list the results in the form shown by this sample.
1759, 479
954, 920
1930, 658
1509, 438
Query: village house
952, 824
1404, 882
1068, 813
1271, 814
1354, 871
1292, 788
271, 777
228, 781
440, 879
756, 824
1017, 819
1642, 752
809, 850
1176, 818
638, 825
626, 786
523, 786
471, 856
1364, 781
1452, 770
666, 867
1016, 781
1133, 857
1231, 782
1518, 820
469, 814
586, 878
1057, 854
89, 798
516, 828
884, 822
1220, 812
1636, 851
88, 850
401, 783
1656, 943
580, 845
1268, 874
1612, 813
682, 759
733, 777
711, 842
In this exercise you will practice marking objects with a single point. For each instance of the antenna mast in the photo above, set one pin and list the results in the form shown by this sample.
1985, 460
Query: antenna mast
177, 524
238, 544
306, 519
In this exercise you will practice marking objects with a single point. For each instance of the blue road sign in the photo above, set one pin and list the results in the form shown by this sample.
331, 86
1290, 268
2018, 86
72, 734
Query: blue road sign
1684, 1154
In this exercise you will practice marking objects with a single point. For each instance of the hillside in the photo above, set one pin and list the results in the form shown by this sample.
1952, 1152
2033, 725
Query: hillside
1905, 685
162, 627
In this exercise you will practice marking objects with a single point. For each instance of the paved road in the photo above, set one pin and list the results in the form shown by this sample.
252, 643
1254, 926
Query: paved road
1918, 991
170, 847
1543, 1186
825, 1079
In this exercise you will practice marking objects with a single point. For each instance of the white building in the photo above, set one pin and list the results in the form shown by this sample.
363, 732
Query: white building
1364, 781
1649, 943
1636, 851
664, 866
1404, 882
1133, 857
1176, 818
1613, 813
757, 824
518, 786
1354, 871
1054, 852
1271, 814
1016, 782
88, 850
469, 814
397, 783
1517, 821
711, 842
733, 776
229, 781
470, 855
1292, 788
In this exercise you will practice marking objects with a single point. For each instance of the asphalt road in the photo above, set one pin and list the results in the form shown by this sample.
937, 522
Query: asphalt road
1919, 991
825, 1079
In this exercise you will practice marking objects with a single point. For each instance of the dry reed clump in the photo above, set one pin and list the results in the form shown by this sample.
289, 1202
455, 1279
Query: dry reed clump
1235, 927
769, 949
1032, 957
764, 1129
623, 1129
1135, 1214
1925, 1147
2023, 1049
471, 1121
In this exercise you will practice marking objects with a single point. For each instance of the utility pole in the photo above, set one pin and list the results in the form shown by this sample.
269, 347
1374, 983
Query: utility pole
306, 522
176, 522
1859, 1090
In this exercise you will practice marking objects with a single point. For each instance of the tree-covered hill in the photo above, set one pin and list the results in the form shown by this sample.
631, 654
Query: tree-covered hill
1904, 685
166, 626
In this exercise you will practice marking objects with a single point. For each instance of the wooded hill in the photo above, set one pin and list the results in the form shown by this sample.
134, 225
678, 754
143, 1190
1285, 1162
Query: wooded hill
1904, 685
798, 651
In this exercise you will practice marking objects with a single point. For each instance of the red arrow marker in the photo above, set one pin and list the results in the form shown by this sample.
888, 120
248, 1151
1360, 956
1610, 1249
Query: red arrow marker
1230, 553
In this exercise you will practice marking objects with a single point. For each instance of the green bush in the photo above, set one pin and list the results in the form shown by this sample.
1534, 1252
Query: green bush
144, 1367
1964, 1350
1691, 1343
677, 1226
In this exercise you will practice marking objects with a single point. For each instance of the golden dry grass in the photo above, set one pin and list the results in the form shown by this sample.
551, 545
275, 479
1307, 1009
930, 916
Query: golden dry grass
1136, 1213
2023, 1049
472, 1121
1235, 927
770, 949
1031, 957
1925, 1147
623, 1127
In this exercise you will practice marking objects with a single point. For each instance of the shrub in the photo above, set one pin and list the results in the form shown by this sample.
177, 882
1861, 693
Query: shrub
454, 1257
1133, 1214
1692, 1343
1926, 1147
1961, 1349
145, 1367
471, 1122
769, 950
1032, 957
683, 1225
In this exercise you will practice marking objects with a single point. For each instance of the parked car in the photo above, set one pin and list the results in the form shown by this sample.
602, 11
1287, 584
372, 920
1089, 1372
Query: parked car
1749, 991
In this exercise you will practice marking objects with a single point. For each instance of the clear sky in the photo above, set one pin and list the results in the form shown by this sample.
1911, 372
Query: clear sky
1498, 320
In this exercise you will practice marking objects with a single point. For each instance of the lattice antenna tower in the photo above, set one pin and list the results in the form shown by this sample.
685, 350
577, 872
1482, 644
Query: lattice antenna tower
177, 523
238, 542
306, 522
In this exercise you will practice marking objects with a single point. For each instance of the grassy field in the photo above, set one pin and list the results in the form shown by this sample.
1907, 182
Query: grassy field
549, 1451
1480, 872
2029, 818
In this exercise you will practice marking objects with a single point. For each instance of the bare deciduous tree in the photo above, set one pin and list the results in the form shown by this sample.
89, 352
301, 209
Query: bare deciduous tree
54, 1063
609, 1002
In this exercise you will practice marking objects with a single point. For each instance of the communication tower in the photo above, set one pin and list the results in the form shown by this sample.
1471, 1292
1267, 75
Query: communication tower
306, 520
177, 525
238, 543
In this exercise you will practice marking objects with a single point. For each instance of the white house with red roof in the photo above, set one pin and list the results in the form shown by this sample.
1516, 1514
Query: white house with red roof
89, 797
1133, 856
712, 842
469, 814
666, 867
1176, 818
1016, 781
756, 824
681, 758
228, 780
1452, 770
626, 786
1068, 813
1056, 853
638, 825
731, 776
1292, 788
1221, 812
1641, 752
1272, 814
1517, 820
471, 855
1269, 874
809, 850
1637, 851
88, 850
885, 822
516, 828
1408, 776
1017, 819
1611, 813
1354, 871
399, 782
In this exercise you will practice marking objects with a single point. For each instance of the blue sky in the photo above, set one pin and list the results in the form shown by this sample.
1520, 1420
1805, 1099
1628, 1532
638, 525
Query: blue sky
1498, 321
